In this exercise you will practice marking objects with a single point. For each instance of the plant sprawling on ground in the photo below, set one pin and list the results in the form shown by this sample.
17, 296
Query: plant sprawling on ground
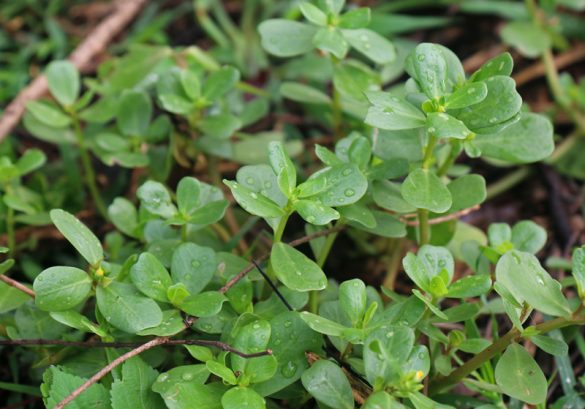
180, 286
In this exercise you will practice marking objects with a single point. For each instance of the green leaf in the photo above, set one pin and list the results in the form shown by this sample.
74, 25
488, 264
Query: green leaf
290, 339
381, 399
155, 198
528, 38
371, 44
303, 93
443, 125
169, 383
63, 80
315, 213
579, 270
386, 350
188, 195
313, 13
175, 104
330, 40
254, 337
125, 308
220, 82
172, 323
500, 65
328, 384
355, 18
285, 38
133, 391
520, 377
428, 67
526, 141
58, 384
48, 114
124, 216
528, 236
254, 203
190, 83
31, 160
283, 167
346, 184
387, 195
240, 396
61, 288
221, 126
386, 225
134, 113
501, 103
469, 94
526, 280
429, 303
219, 369
323, 325
84, 241
556, 347
424, 190
193, 266
151, 277
11, 298
352, 300
467, 191
359, 214
470, 286
295, 270
262, 179
392, 113
205, 304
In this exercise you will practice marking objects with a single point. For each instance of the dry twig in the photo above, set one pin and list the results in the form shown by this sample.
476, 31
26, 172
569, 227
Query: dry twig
17, 285
441, 219
82, 58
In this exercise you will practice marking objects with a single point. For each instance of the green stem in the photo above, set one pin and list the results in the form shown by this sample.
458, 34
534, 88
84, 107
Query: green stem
424, 229
453, 153
280, 228
88, 168
507, 182
428, 156
565, 146
251, 89
208, 25
321, 258
497, 347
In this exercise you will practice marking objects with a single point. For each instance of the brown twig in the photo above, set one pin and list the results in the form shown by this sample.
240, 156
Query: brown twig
188, 322
96, 344
17, 285
442, 219
108, 368
82, 58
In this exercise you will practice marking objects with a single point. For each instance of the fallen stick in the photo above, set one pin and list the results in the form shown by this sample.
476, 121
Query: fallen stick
82, 56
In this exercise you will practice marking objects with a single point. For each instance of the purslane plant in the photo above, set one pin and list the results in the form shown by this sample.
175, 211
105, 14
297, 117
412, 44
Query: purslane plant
256, 339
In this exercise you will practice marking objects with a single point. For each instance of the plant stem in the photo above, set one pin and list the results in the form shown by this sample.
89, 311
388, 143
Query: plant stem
507, 182
280, 228
251, 89
202, 15
321, 258
497, 347
88, 168
10, 224
453, 153
423, 226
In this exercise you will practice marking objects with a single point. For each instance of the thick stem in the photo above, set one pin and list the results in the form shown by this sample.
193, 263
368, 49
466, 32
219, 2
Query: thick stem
424, 231
496, 348
280, 228
88, 172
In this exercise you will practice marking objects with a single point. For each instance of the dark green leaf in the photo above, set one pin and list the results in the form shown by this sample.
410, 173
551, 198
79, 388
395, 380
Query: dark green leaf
84, 241
61, 288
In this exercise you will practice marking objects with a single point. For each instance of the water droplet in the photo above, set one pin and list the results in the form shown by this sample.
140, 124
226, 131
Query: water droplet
431, 129
256, 326
347, 172
195, 263
289, 370
501, 66
442, 263
471, 91
187, 376
390, 334
163, 377
254, 195
493, 120
267, 185
287, 323
250, 180
341, 200
311, 219
349, 192
420, 57
299, 273
277, 342
421, 355
444, 117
